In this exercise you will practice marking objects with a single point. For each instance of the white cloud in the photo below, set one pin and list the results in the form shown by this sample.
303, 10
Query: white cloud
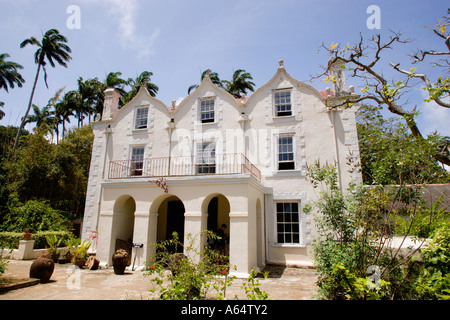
125, 12
434, 117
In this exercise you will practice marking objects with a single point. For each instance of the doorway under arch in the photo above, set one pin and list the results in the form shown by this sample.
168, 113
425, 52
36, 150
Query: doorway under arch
170, 219
217, 209
123, 224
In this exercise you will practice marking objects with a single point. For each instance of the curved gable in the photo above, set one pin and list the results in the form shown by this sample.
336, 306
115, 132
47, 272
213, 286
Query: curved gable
283, 78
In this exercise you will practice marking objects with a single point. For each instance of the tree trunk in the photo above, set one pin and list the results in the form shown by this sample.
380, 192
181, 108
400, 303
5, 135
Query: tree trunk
24, 119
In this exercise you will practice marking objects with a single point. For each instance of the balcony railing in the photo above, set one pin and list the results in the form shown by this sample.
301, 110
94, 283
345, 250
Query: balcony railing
235, 163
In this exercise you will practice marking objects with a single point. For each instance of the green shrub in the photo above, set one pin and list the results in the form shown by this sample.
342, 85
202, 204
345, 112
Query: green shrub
34, 215
434, 281
10, 240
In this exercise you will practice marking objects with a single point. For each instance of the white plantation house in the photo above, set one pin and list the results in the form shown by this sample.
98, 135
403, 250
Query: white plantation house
212, 160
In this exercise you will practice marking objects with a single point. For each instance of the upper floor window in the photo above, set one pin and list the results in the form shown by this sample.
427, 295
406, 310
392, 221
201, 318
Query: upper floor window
141, 118
206, 157
282, 102
286, 153
207, 110
137, 161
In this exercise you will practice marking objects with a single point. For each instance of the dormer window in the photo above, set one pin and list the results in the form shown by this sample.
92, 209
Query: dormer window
282, 103
207, 110
141, 118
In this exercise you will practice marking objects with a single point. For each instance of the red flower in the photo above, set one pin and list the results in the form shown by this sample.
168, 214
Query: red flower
153, 267
224, 271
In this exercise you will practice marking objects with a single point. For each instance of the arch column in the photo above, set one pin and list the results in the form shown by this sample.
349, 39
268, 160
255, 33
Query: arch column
240, 254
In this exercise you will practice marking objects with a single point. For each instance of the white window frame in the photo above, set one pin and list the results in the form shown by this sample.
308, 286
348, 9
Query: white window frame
285, 229
138, 118
282, 103
209, 109
137, 161
282, 149
205, 163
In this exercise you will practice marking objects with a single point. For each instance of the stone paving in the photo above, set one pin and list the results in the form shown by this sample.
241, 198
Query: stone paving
68, 283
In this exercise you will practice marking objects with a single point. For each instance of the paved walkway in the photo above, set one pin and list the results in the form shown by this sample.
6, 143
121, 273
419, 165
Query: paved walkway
68, 283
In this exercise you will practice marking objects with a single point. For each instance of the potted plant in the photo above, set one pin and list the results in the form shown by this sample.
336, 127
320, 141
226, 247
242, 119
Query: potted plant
53, 244
79, 251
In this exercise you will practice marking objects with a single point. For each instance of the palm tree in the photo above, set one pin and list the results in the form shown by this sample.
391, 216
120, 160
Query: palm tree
63, 112
40, 116
9, 76
2, 114
52, 47
142, 79
214, 76
239, 84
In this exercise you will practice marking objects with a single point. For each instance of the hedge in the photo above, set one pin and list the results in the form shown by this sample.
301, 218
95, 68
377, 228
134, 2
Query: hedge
10, 240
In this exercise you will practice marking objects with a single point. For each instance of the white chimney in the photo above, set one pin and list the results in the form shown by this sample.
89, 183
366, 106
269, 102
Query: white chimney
111, 103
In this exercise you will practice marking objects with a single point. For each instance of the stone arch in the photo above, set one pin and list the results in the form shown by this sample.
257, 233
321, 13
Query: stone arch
169, 211
216, 210
123, 223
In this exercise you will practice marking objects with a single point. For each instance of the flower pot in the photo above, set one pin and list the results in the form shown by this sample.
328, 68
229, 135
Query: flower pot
80, 263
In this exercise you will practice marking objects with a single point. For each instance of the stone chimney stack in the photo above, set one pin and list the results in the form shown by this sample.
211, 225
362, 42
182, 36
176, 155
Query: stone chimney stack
111, 103
337, 71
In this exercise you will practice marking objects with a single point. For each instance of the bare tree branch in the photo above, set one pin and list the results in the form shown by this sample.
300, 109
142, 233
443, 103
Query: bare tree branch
424, 79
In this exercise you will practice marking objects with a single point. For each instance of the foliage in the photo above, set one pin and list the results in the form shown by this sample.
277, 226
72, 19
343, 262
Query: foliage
53, 242
11, 240
354, 232
34, 215
434, 280
251, 287
391, 155
54, 173
359, 288
78, 249
186, 278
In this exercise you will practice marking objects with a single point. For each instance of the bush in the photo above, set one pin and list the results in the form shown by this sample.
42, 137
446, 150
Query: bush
434, 280
34, 215
187, 279
10, 240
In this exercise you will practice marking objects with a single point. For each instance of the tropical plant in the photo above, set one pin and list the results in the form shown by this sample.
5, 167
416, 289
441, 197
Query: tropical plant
77, 249
239, 84
214, 76
52, 47
53, 242
188, 279
140, 80
9, 76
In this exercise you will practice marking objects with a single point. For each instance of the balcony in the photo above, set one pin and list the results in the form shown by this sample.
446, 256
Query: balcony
224, 164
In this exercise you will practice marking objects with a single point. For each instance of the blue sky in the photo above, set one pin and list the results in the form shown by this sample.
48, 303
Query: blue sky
177, 40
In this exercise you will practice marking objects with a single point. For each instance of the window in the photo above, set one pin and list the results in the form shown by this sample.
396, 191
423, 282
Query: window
137, 161
206, 158
286, 153
288, 226
207, 110
141, 118
283, 103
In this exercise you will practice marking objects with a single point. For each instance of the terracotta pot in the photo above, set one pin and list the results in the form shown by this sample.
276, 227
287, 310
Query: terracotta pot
80, 263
